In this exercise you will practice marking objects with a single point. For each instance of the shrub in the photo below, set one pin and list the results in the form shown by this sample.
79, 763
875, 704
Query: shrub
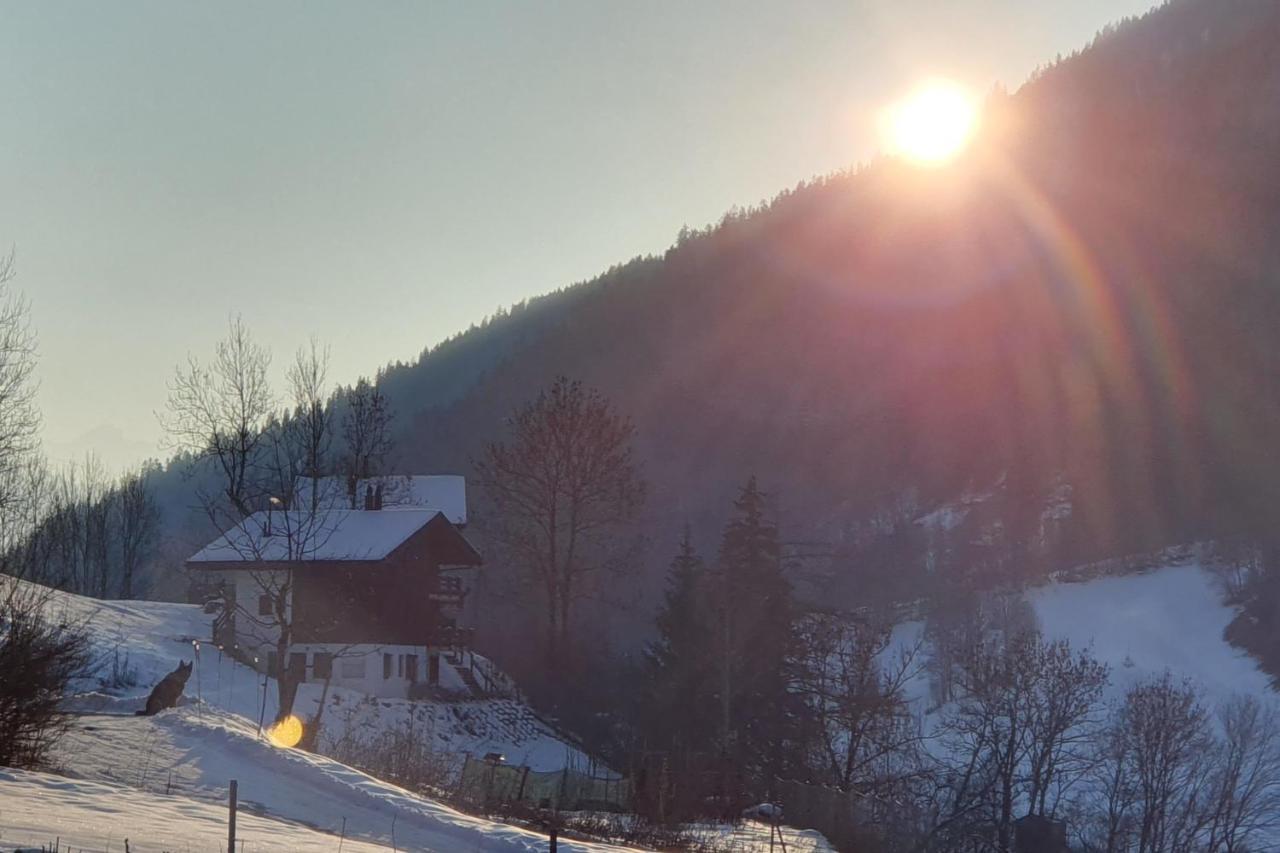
39, 658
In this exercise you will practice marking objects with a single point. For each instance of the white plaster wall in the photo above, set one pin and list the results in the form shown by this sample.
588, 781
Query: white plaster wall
257, 633
367, 658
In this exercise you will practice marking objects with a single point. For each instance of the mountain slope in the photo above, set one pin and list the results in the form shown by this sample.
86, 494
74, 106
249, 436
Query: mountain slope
1076, 296
1087, 298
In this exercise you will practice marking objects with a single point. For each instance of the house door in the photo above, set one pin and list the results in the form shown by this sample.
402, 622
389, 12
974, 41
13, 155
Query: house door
298, 665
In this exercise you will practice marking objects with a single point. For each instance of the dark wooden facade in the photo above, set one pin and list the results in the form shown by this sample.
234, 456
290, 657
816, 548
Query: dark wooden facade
395, 600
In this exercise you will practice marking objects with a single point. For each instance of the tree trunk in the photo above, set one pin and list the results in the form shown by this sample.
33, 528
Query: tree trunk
553, 635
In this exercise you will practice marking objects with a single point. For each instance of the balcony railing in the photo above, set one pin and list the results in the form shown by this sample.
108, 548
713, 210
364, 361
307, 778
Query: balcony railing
449, 590
451, 637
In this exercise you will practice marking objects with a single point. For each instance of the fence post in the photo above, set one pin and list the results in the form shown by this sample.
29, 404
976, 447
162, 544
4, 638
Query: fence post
231, 820
195, 644
262, 715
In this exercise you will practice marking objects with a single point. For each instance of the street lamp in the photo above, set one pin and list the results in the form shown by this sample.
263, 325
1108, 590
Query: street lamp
272, 503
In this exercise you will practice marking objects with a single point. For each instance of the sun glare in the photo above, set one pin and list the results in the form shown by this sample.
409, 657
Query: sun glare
286, 732
932, 124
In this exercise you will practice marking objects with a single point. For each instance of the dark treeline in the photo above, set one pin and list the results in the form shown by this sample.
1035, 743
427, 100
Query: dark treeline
83, 531
959, 737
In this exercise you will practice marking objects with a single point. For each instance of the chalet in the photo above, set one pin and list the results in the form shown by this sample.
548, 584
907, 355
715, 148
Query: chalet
370, 597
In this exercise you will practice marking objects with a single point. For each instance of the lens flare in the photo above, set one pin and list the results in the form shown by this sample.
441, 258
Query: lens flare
932, 124
286, 732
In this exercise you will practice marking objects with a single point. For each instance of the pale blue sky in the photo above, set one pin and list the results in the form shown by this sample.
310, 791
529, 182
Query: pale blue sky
382, 175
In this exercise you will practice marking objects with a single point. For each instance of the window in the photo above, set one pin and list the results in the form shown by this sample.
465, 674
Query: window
352, 667
386, 665
411, 667
298, 665
400, 666
271, 664
322, 664
264, 606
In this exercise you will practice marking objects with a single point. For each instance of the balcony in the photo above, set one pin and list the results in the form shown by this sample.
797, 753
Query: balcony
451, 637
448, 590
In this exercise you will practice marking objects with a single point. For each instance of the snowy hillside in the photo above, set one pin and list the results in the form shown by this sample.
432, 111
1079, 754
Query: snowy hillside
1140, 625
146, 639
1170, 618
194, 751
37, 808
144, 777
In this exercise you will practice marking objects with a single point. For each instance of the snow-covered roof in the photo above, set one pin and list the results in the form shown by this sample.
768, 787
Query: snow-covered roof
327, 534
446, 493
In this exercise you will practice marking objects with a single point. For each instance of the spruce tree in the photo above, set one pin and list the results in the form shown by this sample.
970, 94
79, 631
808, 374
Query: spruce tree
681, 709
755, 638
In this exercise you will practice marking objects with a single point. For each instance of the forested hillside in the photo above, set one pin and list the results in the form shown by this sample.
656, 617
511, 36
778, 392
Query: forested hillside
1082, 305
1090, 294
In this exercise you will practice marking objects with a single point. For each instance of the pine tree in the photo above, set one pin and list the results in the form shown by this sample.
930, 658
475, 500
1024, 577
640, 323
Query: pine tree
679, 662
755, 641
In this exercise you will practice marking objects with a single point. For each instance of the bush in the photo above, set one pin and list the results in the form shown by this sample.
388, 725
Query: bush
119, 674
39, 659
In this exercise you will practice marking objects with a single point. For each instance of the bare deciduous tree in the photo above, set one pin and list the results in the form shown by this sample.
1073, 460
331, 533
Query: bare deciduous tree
856, 690
311, 425
1246, 776
1018, 735
19, 417
366, 423
1064, 721
137, 523
559, 490
1164, 729
219, 413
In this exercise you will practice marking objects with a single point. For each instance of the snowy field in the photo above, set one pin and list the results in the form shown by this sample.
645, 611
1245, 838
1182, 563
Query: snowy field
194, 751
37, 808
1140, 625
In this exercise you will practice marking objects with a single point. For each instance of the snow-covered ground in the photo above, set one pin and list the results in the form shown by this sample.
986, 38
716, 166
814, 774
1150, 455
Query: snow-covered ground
162, 781
37, 808
194, 751
148, 777
149, 638
1172, 618
505, 726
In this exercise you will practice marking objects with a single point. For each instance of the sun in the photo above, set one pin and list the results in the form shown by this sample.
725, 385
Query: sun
932, 124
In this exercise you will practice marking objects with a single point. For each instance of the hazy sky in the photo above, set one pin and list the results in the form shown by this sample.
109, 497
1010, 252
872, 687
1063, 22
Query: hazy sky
382, 175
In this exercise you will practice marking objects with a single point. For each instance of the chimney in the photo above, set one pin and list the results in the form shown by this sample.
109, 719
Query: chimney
368, 497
